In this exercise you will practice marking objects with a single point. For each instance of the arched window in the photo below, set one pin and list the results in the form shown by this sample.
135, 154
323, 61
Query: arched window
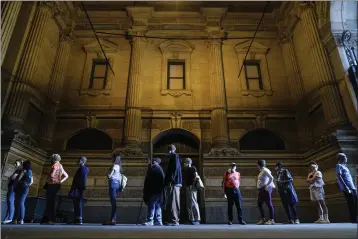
261, 139
90, 139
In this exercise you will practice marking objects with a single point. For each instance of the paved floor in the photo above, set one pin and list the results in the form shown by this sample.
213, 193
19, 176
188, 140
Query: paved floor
334, 230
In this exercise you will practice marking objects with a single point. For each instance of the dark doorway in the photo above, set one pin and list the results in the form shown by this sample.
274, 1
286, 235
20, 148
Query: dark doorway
188, 146
90, 139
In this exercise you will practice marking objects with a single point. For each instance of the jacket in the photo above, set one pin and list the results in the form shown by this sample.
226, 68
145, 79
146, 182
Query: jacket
80, 178
173, 175
154, 183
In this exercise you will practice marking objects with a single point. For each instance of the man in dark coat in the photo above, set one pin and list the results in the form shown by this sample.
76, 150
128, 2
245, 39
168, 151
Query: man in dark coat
153, 193
77, 189
173, 183
287, 193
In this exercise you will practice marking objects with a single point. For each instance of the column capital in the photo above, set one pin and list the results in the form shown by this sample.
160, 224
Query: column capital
67, 36
213, 42
303, 7
140, 16
137, 36
213, 15
51, 7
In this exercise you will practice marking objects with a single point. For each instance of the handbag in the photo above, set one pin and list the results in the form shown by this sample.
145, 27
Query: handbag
199, 185
123, 182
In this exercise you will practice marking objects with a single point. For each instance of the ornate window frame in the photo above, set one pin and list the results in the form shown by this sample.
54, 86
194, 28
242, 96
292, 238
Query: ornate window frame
93, 51
176, 50
257, 52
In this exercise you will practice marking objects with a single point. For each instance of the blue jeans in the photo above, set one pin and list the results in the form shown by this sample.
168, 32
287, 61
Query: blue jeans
113, 191
10, 204
21, 192
234, 197
78, 205
154, 209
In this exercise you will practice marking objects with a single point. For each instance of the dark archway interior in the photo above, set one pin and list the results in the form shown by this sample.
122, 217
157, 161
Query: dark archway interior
188, 145
90, 139
261, 139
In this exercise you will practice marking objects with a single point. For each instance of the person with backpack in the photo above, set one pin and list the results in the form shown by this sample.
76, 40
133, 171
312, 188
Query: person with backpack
230, 185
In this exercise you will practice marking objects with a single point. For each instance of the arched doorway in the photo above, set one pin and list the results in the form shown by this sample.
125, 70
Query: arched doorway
188, 146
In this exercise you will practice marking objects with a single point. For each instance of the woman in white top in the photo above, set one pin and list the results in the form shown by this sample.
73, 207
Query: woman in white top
315, 179
114, 184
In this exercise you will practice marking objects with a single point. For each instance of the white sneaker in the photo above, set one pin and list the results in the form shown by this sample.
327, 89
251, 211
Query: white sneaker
147, 224
6, 221
297, 221
261, 222
319, 221
270, 222
325, 221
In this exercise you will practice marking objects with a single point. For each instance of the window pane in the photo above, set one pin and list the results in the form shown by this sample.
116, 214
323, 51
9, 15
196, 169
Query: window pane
176, 71
100, 70
254, 84
176, 84
98, 84
252, 71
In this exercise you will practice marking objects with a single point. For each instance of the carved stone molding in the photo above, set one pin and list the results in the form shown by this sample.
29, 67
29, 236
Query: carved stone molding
213, 17
223, 152
128, 152
160, 124
260, 121
25, 139
176, 120
91, 120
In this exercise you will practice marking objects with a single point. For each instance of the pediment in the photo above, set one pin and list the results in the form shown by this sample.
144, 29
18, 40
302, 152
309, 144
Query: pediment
176, 46
94, 47
255, 47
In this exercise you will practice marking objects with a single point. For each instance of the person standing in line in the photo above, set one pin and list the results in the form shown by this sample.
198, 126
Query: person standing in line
231, 187
287, 193
346, 184
153, 193
10, 197
21, 191
114, 187
265, 186
56, 177
190, 176
315, 180
77, 190
173, 183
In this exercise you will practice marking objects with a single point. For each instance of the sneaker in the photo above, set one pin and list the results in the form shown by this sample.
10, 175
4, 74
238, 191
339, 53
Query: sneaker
172, 224
229, 223
261, 222
158, 224
109, 223
319, 221
78, 222
6, 221
270, 222
147, 224
20, 222
242, 222
289, 222
325, 221
297, 221
196, 222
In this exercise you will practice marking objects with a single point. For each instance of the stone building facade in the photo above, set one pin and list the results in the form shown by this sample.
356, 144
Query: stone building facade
179, 72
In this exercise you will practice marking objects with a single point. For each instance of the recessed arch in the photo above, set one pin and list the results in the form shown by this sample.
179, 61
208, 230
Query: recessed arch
90, 139
262, 139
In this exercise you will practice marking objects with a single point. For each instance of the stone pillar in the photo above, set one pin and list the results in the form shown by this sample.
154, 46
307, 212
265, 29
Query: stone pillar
55, 87
328, 87
9, 14
219, 126
17, 107
133, 120
297, 91
219, 130
133, 123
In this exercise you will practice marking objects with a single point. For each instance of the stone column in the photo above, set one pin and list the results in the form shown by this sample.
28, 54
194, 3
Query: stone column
17, 106
328, 87
9, 14
297, 91
292, 68
55, 87
133, 120
219, 130
219, 127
